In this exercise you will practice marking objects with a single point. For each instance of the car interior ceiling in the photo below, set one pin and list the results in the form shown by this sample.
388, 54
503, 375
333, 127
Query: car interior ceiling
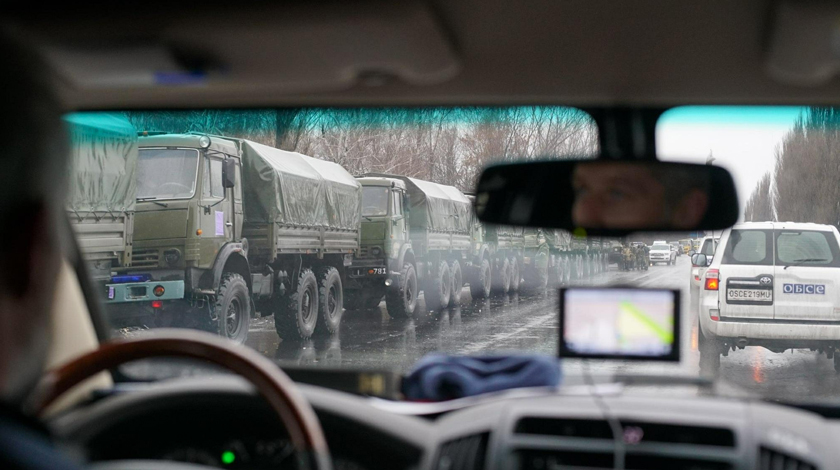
625, 63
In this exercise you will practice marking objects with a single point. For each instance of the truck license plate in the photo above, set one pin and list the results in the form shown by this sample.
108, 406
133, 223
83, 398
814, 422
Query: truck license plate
375, 271
111, 293
762, 295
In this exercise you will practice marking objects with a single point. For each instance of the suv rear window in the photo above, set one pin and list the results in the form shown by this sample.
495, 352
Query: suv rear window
708, 247
748, 247
811, 248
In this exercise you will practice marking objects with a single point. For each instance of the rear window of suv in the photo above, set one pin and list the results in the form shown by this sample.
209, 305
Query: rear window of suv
748, 247
801, 247
809, 248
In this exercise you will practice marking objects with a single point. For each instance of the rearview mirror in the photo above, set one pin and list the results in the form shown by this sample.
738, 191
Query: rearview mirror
608, 196
229, 173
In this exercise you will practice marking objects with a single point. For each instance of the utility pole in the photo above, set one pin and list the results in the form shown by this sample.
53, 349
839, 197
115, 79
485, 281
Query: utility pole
710, 158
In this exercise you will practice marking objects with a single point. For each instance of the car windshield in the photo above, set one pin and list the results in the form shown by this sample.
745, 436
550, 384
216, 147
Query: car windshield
166, 173
374, 201
293, 190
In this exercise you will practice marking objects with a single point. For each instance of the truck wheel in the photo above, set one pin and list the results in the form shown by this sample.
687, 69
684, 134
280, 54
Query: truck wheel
298, 315
515, 275
330, 300
709, 354
457, 284
401, 300
480, 286
233, 308
439, 288
501, 277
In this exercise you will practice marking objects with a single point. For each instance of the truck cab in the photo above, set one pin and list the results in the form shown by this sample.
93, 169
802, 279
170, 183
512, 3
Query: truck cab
189, 207
384, 233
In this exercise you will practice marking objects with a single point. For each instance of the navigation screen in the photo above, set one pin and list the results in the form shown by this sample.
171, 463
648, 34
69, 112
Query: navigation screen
619, 323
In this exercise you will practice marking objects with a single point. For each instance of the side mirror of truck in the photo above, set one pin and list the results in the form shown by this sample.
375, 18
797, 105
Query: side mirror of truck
229, 173
698, 259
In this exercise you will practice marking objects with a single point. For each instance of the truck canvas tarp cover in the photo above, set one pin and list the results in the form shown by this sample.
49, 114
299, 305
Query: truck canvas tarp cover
438, 207
103, 163
292, 189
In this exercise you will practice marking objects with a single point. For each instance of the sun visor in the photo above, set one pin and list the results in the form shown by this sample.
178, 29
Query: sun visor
804, 46
293, 49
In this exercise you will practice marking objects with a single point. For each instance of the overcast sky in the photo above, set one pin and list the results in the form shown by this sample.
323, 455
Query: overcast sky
742, 139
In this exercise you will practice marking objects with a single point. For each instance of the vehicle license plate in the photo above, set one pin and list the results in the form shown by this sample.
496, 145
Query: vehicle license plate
762, 295
376, 271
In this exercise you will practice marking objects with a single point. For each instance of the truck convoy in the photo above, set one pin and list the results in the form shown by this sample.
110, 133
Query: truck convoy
226, 228
102, 190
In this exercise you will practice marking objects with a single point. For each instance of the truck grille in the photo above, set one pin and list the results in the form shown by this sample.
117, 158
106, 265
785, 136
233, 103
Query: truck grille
145, 258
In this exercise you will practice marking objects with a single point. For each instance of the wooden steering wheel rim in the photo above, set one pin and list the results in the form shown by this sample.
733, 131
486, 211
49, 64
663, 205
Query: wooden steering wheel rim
271, 383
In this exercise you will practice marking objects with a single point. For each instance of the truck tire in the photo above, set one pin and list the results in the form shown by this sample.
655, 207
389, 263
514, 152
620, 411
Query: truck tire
298, 313
439, 288
515, 275
501, 277
709, 354
457, 284
401, 300
233, 308
330, 301
480, 286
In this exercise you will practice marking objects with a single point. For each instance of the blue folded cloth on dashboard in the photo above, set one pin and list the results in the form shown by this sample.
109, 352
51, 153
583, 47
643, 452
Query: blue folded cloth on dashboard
440, 377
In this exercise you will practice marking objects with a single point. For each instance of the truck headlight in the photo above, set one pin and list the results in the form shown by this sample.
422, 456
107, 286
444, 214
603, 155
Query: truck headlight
376, 251
172, 256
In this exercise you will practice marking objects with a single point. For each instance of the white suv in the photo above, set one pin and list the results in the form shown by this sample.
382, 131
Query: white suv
661, 252
771, 284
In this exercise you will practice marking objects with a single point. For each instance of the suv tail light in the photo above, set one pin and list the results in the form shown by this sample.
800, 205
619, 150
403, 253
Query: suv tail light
712, 279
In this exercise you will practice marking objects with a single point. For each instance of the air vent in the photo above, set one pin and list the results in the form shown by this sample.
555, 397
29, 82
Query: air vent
769, 459
586, 428
680, 434
650, 432
549, 459
467, 453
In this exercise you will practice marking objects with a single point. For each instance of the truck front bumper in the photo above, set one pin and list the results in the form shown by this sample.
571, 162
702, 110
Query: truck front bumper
143, 291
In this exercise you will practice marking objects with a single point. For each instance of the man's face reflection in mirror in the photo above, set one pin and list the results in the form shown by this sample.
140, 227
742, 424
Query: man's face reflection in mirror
634, 195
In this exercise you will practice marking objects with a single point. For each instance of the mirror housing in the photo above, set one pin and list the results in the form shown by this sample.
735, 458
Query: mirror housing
608, 197
699, 259
228, 173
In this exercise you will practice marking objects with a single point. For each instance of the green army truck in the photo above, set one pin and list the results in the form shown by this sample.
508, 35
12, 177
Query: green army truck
415, 237
101, 202
226, 227
505, 246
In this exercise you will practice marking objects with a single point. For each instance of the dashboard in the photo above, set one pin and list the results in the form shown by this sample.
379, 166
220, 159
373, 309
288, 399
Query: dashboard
222, 423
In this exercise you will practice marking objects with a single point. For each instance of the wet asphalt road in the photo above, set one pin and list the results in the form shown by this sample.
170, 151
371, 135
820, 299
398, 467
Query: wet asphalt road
521, 322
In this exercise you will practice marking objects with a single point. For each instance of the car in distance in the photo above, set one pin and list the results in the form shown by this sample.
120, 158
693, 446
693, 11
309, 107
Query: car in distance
662, 252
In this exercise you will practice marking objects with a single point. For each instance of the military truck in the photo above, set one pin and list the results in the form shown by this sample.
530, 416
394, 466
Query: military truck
102, 187
226, 226
415, 237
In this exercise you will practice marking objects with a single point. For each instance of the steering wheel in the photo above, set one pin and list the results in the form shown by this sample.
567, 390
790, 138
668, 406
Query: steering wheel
272, 384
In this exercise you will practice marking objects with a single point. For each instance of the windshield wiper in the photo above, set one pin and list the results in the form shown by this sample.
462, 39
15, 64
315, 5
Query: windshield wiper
797, 262
152, 199
368, 218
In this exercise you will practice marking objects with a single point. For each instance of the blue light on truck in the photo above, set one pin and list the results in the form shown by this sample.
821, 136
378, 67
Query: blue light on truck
130, 278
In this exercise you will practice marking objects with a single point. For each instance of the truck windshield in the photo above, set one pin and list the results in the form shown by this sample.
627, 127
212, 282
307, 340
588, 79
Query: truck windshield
166, 173
374, 201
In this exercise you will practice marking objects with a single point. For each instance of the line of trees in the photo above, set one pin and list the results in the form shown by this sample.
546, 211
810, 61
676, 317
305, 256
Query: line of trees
803, 186
445, 145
